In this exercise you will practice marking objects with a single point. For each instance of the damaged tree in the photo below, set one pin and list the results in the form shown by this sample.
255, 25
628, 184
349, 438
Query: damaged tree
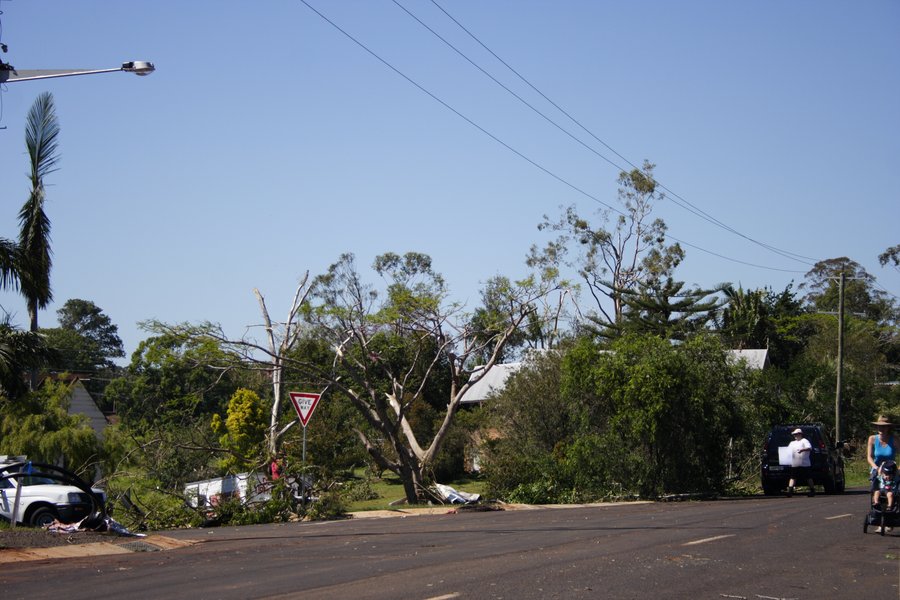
614, 261
280, 342
386, 352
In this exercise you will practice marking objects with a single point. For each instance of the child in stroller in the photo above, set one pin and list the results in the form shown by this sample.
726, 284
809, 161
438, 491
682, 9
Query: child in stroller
887, 484
884, 500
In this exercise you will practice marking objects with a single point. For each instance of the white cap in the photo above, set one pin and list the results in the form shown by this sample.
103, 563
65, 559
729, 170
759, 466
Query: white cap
796, 431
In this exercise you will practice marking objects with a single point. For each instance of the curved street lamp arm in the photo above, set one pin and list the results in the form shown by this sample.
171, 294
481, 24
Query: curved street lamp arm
138, 67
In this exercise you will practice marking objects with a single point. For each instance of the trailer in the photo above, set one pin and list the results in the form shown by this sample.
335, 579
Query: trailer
245, 487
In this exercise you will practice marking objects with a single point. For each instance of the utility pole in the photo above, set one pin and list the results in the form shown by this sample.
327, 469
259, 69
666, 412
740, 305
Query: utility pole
840, 359
840, 350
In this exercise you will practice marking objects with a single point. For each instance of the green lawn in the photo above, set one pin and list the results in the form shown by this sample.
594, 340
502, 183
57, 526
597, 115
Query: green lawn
856, 472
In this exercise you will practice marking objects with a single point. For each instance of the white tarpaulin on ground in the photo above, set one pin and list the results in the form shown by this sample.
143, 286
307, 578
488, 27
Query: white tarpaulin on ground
448, 494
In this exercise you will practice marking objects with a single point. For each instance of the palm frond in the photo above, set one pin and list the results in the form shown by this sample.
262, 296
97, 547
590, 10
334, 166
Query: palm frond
41, 137
9, 274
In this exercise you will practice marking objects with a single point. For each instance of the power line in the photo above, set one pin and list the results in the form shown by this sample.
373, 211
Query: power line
504, 144
749, 264
682, 202
459, 114
517, 96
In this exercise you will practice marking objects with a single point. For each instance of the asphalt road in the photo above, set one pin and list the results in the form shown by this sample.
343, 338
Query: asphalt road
769, 548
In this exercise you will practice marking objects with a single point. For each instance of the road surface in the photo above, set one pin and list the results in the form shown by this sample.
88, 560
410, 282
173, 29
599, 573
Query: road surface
742, 548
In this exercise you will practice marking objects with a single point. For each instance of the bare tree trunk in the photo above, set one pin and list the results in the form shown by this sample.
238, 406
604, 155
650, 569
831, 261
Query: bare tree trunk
413, 480
33, 328
277, 350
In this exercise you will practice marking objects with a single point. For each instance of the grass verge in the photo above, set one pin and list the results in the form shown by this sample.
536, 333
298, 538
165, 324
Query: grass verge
389, 488
856, 472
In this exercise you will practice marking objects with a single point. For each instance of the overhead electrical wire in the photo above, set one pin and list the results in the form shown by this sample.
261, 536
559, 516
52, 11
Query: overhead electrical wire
517, 96
742, 262
460, 115
690, 208
510, 148
672, 194
678, 199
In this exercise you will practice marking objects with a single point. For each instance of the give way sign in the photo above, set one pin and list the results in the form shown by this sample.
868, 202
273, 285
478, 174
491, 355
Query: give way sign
304, 403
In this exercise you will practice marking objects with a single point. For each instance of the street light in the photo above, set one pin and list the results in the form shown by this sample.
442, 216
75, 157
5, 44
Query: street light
8, 75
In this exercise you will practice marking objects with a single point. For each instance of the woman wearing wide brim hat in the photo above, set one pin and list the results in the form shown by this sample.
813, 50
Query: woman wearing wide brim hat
881, 446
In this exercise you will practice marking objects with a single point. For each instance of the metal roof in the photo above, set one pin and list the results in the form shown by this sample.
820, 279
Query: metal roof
495, 380
755, 359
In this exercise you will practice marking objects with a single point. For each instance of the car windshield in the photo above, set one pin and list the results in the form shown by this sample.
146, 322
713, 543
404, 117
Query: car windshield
34, 480
27, 480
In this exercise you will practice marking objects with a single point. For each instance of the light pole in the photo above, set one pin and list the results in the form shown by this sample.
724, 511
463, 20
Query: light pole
10, 75
840, 360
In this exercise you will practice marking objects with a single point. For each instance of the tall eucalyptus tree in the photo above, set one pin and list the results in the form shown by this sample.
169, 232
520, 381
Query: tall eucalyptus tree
613, 261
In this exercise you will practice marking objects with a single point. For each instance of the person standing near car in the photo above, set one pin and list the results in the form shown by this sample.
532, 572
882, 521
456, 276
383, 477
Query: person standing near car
881, 447
800, 450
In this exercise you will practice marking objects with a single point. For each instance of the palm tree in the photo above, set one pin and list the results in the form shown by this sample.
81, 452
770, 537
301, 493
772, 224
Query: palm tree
33, 260
20, 352
745, 318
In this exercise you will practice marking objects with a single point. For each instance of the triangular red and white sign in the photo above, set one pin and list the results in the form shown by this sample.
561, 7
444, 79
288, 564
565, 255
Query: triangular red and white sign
304, 404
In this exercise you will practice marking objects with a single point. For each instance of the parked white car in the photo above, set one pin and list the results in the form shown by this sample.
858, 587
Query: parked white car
42, 499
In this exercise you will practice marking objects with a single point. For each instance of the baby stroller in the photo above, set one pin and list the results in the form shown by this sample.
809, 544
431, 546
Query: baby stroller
880, 516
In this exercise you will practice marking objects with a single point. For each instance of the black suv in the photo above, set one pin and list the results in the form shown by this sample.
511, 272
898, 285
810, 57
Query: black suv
826, 460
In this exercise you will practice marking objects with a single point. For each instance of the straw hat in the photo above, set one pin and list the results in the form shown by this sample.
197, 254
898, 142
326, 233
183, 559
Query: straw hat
883, 420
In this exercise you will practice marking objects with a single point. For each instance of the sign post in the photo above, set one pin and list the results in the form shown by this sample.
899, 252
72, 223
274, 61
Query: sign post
304, 403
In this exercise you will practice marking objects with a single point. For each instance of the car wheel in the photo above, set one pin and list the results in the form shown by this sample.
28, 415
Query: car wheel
770, 490
43, 517
829, 484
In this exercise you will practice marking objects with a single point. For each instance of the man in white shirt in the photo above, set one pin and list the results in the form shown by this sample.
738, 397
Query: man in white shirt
800, 450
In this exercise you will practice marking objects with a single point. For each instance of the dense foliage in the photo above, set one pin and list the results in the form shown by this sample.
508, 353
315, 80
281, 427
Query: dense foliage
40, 427
86, 339
644, 417
637, 396
169, 380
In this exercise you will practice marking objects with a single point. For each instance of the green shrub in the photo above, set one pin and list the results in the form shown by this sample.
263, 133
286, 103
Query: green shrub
329, 505
357, 490
648, 418
542, 491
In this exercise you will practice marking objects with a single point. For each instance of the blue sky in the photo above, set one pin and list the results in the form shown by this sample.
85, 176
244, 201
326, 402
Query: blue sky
268, 143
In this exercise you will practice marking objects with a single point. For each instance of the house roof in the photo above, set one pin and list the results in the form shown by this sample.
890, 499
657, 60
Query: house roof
80, 400
82, 403
493, 381
755, 359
